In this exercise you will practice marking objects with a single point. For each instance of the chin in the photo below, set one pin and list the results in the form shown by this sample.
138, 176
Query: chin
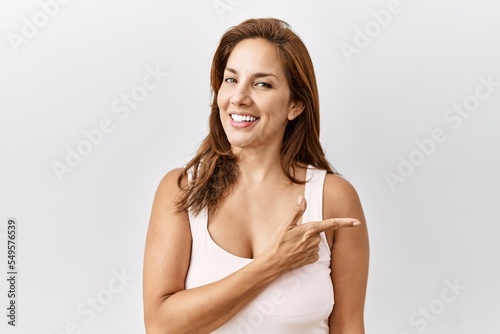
237, 144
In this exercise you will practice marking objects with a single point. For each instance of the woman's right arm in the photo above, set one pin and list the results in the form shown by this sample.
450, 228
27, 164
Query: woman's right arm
170, 308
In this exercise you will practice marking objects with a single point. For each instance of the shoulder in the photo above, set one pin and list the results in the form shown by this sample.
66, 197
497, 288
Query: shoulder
170, 181
340, 196
169, 188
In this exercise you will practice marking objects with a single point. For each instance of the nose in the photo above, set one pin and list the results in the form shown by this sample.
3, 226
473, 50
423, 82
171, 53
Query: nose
240, 96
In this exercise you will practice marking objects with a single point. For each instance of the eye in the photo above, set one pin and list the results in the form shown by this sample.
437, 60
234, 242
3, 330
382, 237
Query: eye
263, 84
230, 80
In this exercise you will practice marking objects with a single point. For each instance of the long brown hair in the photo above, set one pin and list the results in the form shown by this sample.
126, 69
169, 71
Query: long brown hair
214, 168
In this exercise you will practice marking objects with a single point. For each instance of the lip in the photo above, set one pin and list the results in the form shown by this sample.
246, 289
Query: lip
242, 124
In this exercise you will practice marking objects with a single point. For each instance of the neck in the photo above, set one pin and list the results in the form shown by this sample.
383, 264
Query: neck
259, 167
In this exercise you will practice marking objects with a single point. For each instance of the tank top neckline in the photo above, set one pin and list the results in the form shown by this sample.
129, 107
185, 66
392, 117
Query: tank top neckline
246, 259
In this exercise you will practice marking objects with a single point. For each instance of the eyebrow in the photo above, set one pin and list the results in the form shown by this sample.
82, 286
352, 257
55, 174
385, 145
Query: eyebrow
255, 75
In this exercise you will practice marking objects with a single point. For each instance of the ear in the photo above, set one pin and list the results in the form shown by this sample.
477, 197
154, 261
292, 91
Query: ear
296, 108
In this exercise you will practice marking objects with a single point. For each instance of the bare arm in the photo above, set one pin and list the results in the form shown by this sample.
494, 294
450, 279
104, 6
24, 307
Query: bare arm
169, 308
350, 257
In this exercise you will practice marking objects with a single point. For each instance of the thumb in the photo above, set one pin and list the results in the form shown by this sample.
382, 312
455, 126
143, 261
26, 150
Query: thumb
297, 213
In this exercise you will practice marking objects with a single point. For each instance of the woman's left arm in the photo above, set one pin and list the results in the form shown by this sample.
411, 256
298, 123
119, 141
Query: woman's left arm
350, 257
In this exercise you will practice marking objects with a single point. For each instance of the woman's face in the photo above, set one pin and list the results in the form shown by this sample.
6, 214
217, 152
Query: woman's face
254, 98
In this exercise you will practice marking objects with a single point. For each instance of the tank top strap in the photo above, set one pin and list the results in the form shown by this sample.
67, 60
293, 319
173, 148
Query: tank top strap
313, 193
197, 222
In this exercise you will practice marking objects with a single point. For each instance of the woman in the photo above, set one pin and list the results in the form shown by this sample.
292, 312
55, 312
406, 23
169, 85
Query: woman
231, 247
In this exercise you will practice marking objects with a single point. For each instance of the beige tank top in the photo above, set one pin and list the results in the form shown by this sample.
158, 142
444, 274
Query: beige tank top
299, 302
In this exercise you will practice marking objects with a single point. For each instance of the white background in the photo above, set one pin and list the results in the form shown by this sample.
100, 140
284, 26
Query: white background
436, 224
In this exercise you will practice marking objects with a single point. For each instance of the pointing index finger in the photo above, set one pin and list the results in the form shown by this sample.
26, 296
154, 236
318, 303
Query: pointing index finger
335, 223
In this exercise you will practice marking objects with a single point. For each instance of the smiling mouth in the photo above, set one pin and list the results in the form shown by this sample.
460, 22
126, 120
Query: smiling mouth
243, 118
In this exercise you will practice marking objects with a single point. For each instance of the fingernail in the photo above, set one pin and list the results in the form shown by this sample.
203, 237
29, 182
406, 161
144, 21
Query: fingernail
356, 223
300, 200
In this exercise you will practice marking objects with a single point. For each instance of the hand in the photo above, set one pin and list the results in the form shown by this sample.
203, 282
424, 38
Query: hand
295, 245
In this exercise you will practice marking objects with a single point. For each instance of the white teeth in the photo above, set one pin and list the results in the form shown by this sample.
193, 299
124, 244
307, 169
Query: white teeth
242, 118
